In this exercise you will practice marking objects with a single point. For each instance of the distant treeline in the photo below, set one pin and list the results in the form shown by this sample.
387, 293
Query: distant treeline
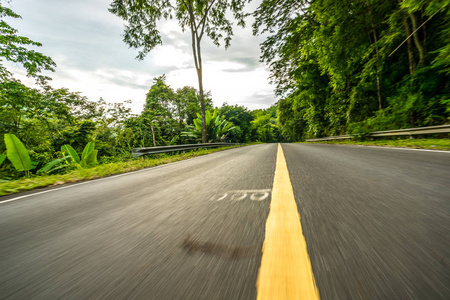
47, 119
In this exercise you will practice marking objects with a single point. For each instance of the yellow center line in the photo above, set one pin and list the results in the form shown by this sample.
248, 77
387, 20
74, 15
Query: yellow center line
285, 271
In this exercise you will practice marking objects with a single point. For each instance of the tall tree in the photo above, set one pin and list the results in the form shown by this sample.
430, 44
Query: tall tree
200, 16
160, 108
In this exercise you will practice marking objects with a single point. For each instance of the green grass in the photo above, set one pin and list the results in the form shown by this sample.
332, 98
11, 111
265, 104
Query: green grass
436, 144
100, 171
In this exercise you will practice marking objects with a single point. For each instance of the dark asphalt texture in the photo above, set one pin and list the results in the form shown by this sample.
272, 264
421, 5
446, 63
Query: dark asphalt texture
376, 222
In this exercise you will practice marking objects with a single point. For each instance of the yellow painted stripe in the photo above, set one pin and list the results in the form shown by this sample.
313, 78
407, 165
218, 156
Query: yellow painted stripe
285, 271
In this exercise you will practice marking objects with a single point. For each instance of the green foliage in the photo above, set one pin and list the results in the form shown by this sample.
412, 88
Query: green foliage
50, 166
338, 67
264, 125
12, 48
417, 102
104, 170
48, 120
406, 142
72, 154
87, 150
210, 18
168, 112
199, 16
187, 102
241, 119
89, 156
17, 153
90, 160
2, 158
57, 116
217, 128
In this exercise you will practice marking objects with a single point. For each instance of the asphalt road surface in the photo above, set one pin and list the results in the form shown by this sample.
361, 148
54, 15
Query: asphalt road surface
375, 220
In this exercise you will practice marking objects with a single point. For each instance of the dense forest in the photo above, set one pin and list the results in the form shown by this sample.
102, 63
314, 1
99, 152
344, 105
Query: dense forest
350, 66
357, 66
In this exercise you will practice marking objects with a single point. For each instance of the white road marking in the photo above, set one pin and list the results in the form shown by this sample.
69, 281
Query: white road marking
385, 147
221, 198
413, 149
238, 195
260, 198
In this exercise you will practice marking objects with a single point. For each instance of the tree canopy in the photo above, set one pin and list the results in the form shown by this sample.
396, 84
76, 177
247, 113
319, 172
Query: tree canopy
12, 49
338, 66
199, 16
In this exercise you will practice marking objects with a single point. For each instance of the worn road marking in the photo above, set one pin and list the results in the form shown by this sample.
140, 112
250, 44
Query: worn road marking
238, 195
285, 271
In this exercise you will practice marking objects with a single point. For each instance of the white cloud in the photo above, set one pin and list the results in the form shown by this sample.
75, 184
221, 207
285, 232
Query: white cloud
170, 56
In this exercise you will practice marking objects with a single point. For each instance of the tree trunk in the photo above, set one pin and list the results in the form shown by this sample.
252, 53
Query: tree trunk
154, 140
375, 39
417, 39
196, 39
412, 63
380, 104
202, 96
153, 134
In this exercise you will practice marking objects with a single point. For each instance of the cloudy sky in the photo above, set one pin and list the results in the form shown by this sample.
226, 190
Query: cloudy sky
84, 40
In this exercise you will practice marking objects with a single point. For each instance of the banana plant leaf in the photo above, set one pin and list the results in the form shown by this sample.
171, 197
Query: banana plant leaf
71, 152
57, 168
17, 153
198, 124
87, 149
90, 160
48, 167
208, 117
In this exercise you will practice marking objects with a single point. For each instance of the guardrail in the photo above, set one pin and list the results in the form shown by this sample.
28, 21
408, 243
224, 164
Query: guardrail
398, 132
136, 152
